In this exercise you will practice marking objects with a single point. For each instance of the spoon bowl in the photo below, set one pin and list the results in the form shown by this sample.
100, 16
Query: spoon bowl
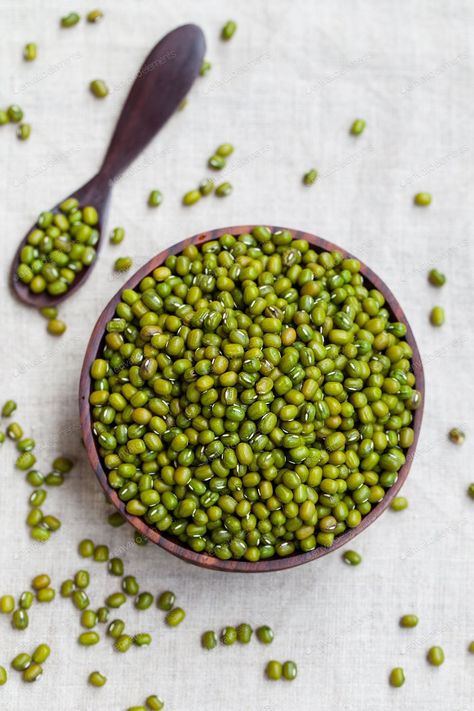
164, 79
95, 192
171, 543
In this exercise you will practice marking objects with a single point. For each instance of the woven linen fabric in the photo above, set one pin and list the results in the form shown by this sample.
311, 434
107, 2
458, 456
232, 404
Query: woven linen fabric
284, 91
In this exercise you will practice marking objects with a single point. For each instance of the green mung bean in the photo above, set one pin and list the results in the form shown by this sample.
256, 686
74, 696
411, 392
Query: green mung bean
67, 588
352, 558
88, 639
143, 601
48, 312
3, 676
155, 198
244, 633
9, 408
166, 600
63, 465
80, 599
216, 162
102, 615
115, 600
41, 653
20, 619
70, 20
422, 199
99, 88
225, 150
82, 579
274, 670
123, 643
46, 595
357, 127
437, 316
15, 113
40, 534
14, 431
205, 68
228, 635
97, 679
456, 435
25, 461
26, 600
399, 503
115, 566
191, 197
224, 189
154, 703
130, 585
56, 327
86, 548
143, 639
32, 673
41, 581
209, 639
435, 656
264, 634
206, 186
397, 677
228, 30
23, 131
175, 617
94, 16
116, 519
408, 621
88, 619
21, 662
122, 264
289, 670
436, 278
101, 553
116, 628
117, 235
310, 177
7, 604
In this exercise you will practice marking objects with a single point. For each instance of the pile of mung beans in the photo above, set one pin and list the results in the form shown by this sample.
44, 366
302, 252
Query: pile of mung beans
253, 397
61, 245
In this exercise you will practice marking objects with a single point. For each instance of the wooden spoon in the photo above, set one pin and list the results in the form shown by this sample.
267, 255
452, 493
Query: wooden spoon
163, 81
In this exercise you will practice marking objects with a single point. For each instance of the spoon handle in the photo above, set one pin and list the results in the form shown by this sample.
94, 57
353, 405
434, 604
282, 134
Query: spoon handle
163, 81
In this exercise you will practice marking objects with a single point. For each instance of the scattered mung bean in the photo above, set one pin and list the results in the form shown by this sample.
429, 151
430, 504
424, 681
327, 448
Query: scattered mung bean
155, 198
456, 435
437, 316
209, 639
97, 679
408, 621
399, 503
166, 600
422, 199
352, 558
435, 656
436, 278
274, 670
397, 677
357, 127
228, 30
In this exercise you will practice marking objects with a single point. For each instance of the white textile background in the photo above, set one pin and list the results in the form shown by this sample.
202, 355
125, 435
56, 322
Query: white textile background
285, 91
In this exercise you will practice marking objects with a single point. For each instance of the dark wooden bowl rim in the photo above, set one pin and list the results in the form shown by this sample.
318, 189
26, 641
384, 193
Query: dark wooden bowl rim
171, 544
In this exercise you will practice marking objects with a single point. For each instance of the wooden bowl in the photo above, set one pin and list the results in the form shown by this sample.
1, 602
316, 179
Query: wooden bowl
170, 543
